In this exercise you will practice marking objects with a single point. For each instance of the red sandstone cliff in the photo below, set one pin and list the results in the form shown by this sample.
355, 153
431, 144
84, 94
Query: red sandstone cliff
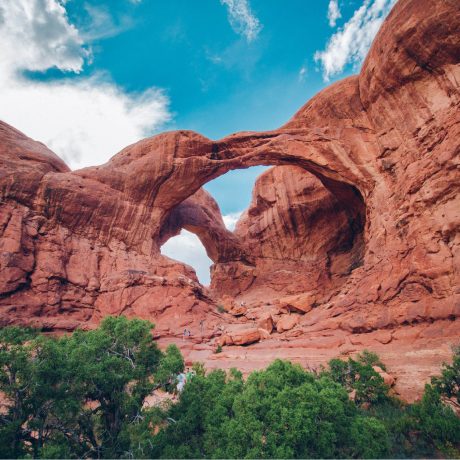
372, 243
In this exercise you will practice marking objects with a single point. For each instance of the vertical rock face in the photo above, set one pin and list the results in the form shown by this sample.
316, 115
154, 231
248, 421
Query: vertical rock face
371, 242
301, 237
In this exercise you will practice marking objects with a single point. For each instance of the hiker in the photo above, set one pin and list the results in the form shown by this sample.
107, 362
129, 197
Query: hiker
181, 380
201, 326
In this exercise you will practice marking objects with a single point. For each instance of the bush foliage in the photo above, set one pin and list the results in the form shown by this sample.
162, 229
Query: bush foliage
83, 396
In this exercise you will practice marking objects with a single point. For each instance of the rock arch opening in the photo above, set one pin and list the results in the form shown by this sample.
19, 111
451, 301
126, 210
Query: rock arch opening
233, 192
199, 231
300, 233
186, 247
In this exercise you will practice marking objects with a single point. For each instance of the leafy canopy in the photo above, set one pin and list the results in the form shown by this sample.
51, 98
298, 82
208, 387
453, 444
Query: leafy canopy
79, 395
83, 396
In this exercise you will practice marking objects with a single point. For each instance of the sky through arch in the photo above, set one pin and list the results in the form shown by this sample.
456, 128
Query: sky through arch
233, 193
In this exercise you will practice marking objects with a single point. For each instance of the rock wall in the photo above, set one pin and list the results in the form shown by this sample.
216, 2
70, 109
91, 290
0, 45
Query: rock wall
301, 238
75, 246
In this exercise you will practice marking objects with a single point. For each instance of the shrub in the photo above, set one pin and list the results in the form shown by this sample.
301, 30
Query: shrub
437, 425
359, 376
199, 369
369, 438
83, 396
448, 383
281, 412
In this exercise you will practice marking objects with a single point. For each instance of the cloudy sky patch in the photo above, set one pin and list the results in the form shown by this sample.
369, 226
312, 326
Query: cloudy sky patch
242, 19
350, 44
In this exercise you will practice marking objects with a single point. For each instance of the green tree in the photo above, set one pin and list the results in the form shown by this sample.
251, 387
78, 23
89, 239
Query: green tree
112, 368
281, 412
358, 376
369, 438
188, 421
171, 364
17, 391
436, 425
82, 396
79, 395
448, 383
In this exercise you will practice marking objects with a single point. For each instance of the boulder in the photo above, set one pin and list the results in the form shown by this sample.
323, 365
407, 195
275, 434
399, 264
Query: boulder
301, 303
238, 310
387, 378
286, 322
266, 323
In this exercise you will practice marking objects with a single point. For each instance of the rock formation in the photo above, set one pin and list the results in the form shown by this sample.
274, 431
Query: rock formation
200, 214
301, 238
370, 244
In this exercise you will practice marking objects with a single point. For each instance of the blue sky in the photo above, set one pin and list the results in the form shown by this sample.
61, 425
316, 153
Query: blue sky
217, 80
88, 77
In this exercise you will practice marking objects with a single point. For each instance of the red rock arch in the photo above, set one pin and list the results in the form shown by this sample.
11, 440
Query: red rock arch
386, 138
200, 214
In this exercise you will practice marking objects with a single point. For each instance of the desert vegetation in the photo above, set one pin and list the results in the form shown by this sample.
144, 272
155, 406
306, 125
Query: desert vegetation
83, 396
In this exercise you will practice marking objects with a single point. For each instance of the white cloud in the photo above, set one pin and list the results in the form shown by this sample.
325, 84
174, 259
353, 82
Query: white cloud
187, 247
333, 12
231, 219
242, 19
36, 35
302, 73
85, 120
350, 44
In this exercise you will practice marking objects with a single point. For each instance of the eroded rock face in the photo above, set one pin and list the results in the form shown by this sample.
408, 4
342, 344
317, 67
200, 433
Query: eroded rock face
301, 238
75, 246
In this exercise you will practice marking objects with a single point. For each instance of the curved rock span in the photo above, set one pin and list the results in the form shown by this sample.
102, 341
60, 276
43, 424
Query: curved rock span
351, 241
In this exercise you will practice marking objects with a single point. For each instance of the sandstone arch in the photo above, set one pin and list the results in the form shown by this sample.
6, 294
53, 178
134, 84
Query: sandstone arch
300, 236
75, 246
200, 214
294, 228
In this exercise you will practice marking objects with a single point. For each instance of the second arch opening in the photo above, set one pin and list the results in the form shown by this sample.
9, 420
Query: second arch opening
297, 235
